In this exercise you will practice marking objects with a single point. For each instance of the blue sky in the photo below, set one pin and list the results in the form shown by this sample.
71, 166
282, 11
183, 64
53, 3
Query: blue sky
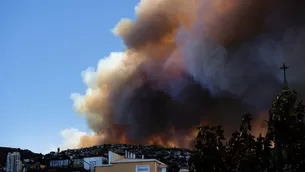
44, 46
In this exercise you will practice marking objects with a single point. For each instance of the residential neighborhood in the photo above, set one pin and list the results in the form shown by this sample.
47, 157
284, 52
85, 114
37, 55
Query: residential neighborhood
107, 158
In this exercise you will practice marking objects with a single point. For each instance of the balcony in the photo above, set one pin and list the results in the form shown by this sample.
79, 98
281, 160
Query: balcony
66, 165
65, 169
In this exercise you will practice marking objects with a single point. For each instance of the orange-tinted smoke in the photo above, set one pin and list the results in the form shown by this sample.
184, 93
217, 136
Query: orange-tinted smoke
151, 49
170, 138
259, 125
185, 139
231, 22
90, 140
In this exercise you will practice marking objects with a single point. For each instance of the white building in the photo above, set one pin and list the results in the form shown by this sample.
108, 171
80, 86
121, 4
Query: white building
91, 162
13, 162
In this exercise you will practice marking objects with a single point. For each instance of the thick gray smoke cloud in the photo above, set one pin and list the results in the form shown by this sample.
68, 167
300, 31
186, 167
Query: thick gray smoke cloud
192, 61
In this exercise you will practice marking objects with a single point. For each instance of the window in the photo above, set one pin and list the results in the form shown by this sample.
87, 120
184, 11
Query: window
142, 168
51, 163
162, 169
65, 162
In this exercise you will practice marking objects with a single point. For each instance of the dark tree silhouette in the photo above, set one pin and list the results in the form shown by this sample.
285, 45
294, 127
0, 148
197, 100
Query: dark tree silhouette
241, 148
209, 154
286, 130
282, 148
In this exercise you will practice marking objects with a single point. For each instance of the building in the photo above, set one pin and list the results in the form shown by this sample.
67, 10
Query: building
70, 163
129, 163
65, 164
90, 163
13, 162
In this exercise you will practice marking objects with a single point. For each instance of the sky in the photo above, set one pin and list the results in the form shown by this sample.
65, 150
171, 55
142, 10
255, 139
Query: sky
44, 47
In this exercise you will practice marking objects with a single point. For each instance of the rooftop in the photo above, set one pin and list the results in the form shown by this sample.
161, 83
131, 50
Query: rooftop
138, 160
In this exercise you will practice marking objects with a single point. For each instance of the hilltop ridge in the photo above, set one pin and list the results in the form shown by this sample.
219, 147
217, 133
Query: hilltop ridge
25, 154
173, 157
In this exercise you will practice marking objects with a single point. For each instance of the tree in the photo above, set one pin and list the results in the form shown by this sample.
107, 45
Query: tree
282, 149
241, 154
286, 129
209, 154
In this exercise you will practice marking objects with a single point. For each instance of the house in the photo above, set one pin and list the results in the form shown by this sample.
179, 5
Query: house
65, 164
129, 163
70, 163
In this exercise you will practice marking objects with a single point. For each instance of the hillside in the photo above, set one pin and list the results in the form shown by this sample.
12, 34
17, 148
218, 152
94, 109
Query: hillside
174, 157
25, 154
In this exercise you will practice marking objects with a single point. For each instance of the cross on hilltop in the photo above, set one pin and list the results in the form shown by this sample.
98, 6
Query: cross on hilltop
284, 68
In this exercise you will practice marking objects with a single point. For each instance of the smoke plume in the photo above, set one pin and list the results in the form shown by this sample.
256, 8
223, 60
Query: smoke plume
188, 62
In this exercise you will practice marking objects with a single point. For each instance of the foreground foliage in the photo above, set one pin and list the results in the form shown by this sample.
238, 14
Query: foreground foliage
281, 149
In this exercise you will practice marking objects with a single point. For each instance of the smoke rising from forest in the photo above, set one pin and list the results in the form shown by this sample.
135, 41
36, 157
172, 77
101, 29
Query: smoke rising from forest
190, 62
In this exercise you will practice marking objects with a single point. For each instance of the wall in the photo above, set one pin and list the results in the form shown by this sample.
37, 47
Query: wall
114, 157
126, 167
94, 161
161, 168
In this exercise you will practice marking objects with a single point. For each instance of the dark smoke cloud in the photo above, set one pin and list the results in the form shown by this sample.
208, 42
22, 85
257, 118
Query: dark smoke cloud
194, 61
155, 110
